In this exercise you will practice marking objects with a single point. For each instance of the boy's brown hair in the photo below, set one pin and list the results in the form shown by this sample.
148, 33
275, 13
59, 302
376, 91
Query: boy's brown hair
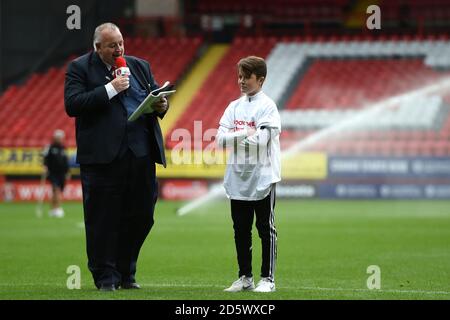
253, 64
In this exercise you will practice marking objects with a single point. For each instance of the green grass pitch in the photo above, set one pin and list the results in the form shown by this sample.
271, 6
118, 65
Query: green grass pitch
324, 249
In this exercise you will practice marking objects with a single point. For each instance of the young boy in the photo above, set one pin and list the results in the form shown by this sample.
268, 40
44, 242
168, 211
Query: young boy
251, 127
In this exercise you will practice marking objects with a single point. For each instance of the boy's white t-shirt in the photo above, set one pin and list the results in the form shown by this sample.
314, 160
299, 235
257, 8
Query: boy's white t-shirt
254, 162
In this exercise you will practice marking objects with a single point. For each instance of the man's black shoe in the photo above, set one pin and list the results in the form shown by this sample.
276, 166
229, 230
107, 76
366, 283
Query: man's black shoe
130, 285
107, 287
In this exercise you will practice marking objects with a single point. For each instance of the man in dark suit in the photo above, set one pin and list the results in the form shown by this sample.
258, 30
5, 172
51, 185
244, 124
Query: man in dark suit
117, 158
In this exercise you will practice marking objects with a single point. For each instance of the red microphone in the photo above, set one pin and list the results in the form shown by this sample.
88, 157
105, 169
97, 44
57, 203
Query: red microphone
121, 67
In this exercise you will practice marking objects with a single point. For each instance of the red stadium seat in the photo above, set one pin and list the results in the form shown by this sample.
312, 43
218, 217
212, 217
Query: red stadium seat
34, 110
220, 87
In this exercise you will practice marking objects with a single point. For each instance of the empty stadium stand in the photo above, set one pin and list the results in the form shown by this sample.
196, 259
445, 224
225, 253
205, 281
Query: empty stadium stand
318, 84
433, 12
219, 88
332, 87
315, 10
30, 112
372, 74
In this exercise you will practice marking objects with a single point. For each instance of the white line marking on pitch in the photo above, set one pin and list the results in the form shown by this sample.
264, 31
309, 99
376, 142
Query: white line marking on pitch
183, 285
301, 288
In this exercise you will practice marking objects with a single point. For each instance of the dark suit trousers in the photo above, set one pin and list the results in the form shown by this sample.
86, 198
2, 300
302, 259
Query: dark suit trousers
119, 200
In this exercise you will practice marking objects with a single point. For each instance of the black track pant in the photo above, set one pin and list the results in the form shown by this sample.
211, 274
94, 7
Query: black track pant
242, 213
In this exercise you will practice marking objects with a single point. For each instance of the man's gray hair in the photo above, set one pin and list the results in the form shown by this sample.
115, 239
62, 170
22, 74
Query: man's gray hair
98, 31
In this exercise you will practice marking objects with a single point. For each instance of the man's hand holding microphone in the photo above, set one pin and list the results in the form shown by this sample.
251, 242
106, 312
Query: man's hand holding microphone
121, 81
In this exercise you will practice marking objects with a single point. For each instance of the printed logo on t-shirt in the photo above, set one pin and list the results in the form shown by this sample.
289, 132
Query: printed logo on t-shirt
244, 123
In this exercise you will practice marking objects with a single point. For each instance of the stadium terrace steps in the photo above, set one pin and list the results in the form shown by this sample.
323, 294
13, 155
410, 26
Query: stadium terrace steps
191, 84
280, 10
421, 113
435, 12
346, 76
360, 70
353, 83
349, 12
290, 55
31, 112
220, 88
168, 57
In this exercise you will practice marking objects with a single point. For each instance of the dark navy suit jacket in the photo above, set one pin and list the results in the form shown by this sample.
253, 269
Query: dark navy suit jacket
101, 123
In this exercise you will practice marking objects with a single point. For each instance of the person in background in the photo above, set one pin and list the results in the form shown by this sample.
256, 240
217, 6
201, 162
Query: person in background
56, 165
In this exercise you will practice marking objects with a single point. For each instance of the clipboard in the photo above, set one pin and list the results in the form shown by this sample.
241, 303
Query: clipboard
146, 105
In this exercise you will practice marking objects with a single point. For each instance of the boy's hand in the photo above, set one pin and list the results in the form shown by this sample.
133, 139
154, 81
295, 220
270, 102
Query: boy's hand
250, 132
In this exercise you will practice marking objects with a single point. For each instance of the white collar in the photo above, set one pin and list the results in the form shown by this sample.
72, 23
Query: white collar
253, 97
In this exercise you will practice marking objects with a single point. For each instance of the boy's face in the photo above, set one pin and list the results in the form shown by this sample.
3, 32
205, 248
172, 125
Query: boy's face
250, 85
